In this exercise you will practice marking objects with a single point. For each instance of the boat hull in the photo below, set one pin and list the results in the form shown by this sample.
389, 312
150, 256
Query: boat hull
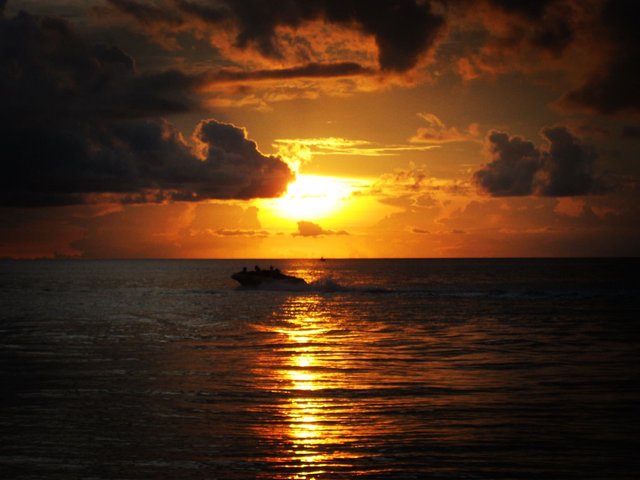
267, 278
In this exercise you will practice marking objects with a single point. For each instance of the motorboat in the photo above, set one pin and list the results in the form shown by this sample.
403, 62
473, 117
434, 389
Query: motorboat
271, 278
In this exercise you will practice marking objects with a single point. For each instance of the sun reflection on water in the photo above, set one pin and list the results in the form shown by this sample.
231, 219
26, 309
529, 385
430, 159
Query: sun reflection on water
312, 424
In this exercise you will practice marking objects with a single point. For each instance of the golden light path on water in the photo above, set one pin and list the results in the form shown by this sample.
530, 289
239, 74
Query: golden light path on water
314, 427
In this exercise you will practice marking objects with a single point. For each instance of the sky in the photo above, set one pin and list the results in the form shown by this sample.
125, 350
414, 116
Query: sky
319, 128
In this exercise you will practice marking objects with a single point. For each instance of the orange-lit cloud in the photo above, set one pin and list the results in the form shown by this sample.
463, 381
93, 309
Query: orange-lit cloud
436, 131
405, 36
402, 31
310, 229
301, 151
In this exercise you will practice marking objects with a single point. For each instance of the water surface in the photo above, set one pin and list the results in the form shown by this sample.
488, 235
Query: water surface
442, 369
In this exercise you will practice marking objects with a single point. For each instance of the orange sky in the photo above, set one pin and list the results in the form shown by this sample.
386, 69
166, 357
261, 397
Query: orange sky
268, 129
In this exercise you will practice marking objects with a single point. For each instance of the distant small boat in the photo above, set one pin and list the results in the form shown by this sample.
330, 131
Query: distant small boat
322, 259
272, 277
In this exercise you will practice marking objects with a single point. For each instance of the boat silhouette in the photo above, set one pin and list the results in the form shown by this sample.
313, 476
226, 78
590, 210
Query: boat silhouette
272, 277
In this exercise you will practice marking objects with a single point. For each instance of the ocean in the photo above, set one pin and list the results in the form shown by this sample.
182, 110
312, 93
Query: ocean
379, 369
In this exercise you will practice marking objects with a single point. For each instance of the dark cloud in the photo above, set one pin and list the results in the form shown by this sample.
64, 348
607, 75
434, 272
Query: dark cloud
313, 70
630, 131
235, 166
514, 34
403, 29
530, 8
145, 161
310, 229
147, 13
544, 24
606, 29
207, 13
613, 86
563, 167
47, 69
568, 165
513, 168
78, 120
526, 35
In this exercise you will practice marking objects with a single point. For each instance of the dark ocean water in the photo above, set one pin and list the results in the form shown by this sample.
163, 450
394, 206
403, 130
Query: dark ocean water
443, 369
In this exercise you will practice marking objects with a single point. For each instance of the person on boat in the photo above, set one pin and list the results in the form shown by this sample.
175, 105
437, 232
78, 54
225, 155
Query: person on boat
257, 268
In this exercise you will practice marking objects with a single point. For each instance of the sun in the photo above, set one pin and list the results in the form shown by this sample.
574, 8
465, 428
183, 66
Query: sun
313, 197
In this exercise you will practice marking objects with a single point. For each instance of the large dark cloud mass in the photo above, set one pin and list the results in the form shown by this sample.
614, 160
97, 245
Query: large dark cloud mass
403, 29
563, 167
76, 119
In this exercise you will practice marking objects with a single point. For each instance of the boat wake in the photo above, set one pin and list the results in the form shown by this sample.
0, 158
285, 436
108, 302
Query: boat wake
322, 285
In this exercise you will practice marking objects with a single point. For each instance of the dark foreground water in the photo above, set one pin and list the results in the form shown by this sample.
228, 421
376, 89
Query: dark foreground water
443, 369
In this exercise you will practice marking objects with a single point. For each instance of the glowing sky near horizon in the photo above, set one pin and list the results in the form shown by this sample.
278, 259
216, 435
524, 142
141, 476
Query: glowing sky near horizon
400, 128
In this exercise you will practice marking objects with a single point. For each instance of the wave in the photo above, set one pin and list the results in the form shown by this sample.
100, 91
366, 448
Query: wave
500, 294
329, 285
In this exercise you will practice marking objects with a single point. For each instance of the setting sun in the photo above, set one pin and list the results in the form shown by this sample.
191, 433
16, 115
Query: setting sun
313, 197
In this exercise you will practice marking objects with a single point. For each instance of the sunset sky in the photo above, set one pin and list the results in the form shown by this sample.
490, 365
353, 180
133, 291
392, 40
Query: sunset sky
308, 128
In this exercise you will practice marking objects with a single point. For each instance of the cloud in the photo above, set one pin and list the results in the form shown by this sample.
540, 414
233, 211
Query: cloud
562, 167
235, 166
242, 233
403, 30
437, 132
544, 24
612, 86
78, 122
53, 71
514, 164
505, 36
553, 35
306, 148
310, 229
309, 70
323, 39
147, 13
417, 183
630, 132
